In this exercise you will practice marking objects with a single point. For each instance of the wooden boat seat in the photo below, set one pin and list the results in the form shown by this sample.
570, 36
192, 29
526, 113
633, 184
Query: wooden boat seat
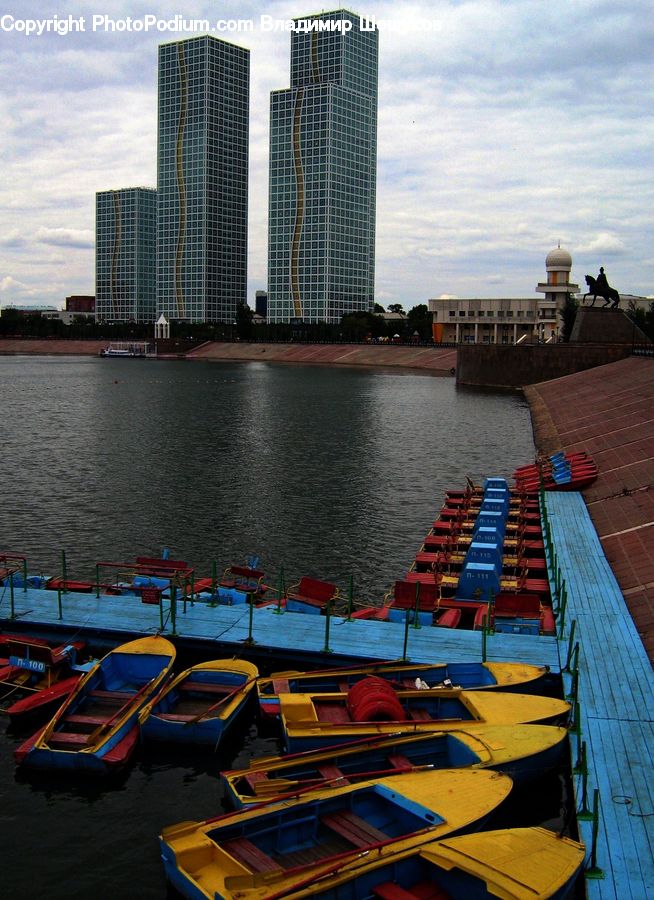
176, 717
254, 778
206, 688
249, 855
112, 695
420, 715
353, 828
332, 772
68, 737
425, 890
399, 761
76, 719
313, 592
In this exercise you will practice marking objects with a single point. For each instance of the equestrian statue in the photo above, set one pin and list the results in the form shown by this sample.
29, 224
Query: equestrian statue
599, 287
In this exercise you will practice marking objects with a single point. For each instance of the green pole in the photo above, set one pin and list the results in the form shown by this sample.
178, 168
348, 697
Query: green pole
11, 595
416, 623
573, 628
214, 583
61, 614
564, 601
173, 608
192, 588
280, 589
406, 634
250, 639
97, 581
593, 870
161, 621
584, 813
63, 567
328, 615
350, 602
24, 576
483, 641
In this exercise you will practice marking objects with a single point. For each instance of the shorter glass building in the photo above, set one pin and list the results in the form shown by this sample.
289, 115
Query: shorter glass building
125, 255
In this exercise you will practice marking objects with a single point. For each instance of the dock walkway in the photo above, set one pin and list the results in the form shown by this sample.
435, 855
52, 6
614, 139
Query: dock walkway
616, 703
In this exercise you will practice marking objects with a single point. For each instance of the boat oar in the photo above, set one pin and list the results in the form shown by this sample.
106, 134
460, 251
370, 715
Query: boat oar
93, 737
315, 783
219, 703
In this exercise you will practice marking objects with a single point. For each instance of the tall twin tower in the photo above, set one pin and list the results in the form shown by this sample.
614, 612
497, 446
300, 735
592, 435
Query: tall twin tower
323, 150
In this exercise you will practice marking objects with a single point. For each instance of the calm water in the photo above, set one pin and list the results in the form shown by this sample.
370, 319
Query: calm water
327, 472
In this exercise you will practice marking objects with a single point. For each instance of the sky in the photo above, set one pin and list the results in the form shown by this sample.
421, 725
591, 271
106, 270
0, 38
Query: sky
505, 127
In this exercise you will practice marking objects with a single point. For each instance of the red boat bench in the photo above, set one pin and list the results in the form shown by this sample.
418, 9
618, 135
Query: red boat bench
312, 592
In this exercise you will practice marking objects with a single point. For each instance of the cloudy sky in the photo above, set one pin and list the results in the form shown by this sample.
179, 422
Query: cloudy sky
505, 126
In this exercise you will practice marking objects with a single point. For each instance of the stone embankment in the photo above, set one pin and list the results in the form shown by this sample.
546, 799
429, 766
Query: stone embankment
608, 411
50, 347
439, 361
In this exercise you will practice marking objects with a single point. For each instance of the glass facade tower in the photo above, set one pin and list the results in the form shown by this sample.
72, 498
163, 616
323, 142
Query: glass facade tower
202, 179
323, 158
125, 247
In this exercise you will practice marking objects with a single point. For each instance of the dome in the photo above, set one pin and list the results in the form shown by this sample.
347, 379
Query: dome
558, 259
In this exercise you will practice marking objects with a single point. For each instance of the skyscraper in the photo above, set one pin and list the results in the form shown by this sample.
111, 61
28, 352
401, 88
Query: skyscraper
202, 171
323, 157
125, 241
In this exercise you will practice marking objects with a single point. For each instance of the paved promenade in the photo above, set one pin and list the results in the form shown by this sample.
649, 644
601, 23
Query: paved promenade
609, 412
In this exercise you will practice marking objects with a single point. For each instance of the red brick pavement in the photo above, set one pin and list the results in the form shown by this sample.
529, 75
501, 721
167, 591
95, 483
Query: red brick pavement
609, 412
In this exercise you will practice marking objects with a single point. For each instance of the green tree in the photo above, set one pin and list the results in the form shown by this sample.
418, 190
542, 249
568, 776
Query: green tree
568, 315
420, 319
396, 308
244, 321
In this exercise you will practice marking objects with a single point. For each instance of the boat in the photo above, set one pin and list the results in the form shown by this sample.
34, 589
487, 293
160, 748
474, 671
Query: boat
371, 708
512, 863
559, 472
286, 844
96, 728
201, 704
523, 752
475, 676
35, 674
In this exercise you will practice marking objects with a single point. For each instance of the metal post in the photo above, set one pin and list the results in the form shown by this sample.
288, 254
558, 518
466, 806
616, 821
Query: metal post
416, 623
574, 687
97, 581
594, 871
562, 607
584, 813
573, 628
328, 615
579, 762
11, 595
173, 608
63, 568
575, 727
161, 621
249, 640
350, 600
280, 589
483, 642
406, 634
61, 614
192, 587
214, 583
24, 576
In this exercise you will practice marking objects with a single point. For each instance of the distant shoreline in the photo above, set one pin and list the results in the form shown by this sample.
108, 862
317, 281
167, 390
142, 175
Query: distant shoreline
433, 360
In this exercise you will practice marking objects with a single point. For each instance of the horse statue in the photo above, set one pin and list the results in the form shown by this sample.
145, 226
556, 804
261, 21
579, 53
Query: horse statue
607, 293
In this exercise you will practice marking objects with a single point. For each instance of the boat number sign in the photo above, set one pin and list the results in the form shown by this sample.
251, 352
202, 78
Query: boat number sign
21, 662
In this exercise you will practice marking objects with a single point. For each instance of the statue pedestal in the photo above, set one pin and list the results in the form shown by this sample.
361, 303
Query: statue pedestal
594, 325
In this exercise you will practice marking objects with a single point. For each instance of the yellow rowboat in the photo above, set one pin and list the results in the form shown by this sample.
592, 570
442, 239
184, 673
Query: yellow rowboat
200, 705
285, 844
471, 676
515, 864
310, 721
524, 752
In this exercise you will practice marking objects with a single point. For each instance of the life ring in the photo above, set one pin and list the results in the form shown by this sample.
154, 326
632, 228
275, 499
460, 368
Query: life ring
372, 683
378, 708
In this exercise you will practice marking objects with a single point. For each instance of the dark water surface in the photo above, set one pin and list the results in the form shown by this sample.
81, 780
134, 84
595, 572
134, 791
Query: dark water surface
329, 472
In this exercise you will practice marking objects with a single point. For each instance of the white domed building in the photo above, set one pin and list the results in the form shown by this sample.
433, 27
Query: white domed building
510, 320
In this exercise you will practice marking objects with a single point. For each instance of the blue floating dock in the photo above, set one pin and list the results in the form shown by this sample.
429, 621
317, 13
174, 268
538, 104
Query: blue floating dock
616, 703
615, 683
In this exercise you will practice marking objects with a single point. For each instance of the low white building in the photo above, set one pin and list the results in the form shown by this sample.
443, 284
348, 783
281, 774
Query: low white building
507, 320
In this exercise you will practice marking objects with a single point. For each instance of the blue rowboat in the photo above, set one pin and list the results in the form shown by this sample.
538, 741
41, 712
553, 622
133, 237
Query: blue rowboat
96, 729
524, 752
200, 705
285, 844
